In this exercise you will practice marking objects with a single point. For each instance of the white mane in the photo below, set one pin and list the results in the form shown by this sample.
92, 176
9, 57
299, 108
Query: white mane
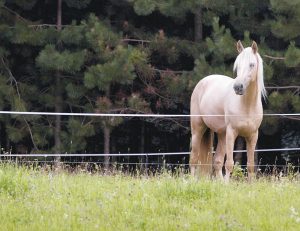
244, 58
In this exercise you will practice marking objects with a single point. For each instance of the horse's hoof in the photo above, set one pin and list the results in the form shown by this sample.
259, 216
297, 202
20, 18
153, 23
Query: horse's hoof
226, 179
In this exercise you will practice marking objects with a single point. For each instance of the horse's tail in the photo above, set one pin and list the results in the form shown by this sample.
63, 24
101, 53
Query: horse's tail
201, 154
206, 155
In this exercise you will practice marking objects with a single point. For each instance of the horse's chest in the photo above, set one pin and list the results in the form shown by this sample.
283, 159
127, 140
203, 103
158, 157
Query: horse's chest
246, 125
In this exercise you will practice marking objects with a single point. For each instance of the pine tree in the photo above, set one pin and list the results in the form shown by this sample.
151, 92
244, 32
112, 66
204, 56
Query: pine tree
285, 28
55, 65
114, 68
16, 87
61, 59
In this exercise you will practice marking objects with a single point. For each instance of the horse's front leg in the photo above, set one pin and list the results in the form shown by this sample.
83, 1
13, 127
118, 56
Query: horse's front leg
251, 143
231, 135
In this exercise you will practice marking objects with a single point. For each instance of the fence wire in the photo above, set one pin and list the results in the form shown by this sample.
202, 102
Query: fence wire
137, 115
133, 154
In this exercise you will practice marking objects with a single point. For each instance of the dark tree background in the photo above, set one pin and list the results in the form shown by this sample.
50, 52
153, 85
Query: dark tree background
137, 56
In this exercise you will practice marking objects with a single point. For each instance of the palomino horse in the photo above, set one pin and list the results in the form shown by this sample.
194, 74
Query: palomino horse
228, 107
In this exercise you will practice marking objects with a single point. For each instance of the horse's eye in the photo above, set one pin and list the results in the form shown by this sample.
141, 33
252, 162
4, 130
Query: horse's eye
251, 65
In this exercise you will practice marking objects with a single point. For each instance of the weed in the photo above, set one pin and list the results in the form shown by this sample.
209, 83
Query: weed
238, 172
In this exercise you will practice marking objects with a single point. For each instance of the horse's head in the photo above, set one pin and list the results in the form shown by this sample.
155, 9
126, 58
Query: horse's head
246, 67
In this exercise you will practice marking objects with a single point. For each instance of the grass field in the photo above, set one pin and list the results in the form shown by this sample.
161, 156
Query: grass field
41, 200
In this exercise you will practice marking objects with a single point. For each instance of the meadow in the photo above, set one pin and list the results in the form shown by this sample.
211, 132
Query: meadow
44, 200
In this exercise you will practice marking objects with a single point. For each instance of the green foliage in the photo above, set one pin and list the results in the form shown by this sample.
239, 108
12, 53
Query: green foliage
144, 7
287, 21
221, 43
15, 134
249, 16
25, 4
238, 173
179, 9
119, 69
292, 56
50, 59
77, 132
166, 49
105, 105
270, 124
175, 8
79, 4
99, 36
72, 35
291, 172
41, 136
18, 104
138, 104
5, 91
202, 68
14, 184
284, 101
295, 102
75, 91
26, 35
268, 72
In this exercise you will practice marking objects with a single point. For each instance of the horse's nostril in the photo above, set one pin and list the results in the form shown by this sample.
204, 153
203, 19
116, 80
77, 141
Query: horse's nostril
238, 86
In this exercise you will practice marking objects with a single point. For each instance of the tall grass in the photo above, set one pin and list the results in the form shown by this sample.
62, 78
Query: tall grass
41, 200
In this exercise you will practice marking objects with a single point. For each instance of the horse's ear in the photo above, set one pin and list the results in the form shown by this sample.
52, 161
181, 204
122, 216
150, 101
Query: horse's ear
239, 46
254, 47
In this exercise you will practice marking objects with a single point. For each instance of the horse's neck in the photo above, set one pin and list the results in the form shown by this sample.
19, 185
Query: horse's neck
252, 96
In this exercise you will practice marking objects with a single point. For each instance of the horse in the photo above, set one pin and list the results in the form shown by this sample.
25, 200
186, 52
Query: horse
230, 108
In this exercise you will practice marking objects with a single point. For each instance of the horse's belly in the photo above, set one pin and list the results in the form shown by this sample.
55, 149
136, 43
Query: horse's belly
212, 106
215, 123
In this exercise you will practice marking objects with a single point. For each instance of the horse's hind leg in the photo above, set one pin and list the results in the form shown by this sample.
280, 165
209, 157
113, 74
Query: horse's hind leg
219, 155
198, 129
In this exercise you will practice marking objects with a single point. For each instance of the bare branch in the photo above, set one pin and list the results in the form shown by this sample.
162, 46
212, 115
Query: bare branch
179, 124
31, 135
283, 87
11, 77
15, 13
273, 57
136, 40
42, 25
171, 71
292, 117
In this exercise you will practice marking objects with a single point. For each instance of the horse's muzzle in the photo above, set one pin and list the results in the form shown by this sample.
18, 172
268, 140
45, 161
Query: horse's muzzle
238, 88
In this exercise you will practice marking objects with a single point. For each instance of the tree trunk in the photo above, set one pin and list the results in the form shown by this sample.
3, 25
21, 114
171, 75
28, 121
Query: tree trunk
198, 28
106, 131
58, 96
58, 108
59, 12
142, 147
